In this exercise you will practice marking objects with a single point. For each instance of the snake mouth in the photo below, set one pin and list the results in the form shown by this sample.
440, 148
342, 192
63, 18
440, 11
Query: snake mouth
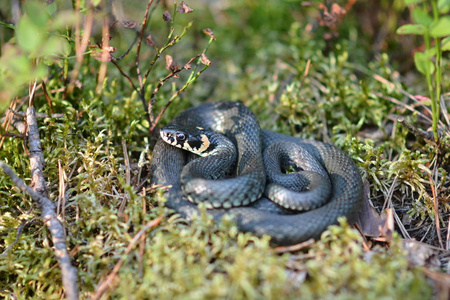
193, 140
169, 139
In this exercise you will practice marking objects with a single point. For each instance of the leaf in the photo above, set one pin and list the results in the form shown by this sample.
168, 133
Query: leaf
51, 8
443, 6
423, 63
205, 60
37, 13
130, 24
62, 20
184, 8
446, 44
411, 2
171, 65
55, 46
411, 29
423, 99
10, 26
420, 16
150, 41
209, 32
29, 36
368, 219
441, 28
102, 54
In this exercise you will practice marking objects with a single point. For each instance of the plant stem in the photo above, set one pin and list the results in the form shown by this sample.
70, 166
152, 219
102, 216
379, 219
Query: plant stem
430, 83
194, 71
437, 99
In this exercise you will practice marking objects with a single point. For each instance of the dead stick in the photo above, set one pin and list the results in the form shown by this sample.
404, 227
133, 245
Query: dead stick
69, 273
138, 51
37, 162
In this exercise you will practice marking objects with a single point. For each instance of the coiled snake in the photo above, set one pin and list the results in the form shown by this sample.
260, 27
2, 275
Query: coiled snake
330, 185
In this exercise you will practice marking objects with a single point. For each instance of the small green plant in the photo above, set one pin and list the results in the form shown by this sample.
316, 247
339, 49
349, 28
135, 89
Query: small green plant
38, 42
434, 27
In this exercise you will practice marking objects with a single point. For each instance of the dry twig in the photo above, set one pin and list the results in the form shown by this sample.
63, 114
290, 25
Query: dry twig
69, 273
39, 194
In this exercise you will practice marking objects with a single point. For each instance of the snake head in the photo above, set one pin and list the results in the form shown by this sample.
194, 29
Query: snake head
189, 138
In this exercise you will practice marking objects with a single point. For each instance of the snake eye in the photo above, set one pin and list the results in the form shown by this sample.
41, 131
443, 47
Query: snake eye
181, 136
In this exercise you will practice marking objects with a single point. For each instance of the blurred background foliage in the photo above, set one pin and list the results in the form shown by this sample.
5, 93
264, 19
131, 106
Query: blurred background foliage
331, 70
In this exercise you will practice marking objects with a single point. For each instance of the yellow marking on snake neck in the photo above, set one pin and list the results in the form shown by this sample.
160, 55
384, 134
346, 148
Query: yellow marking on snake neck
205, 144
200, 150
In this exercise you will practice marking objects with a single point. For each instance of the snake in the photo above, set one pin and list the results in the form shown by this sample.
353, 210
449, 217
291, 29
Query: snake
286, 187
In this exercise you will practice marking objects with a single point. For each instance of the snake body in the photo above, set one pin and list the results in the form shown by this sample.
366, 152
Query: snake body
239, 193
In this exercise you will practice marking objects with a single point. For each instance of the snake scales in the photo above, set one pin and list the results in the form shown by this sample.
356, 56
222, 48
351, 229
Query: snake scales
246, 184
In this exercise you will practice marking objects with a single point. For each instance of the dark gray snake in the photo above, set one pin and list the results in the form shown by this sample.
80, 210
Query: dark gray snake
208, 179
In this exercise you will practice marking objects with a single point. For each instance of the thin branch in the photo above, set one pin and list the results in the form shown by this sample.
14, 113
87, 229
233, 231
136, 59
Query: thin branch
408, 107
392, 85
81, 43
37, 161
174, 96
175, 40
69, 273
138, 51
7, 121
171, 75
427, 135
39, 193
436, 212
104, 56
128, 50
17, 239
293, 248
132, 84
47, 97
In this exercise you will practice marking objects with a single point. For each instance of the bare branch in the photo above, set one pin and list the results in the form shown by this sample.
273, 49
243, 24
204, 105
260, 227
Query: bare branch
39, 194
174, 96
427, 135
69, 273
18, 234
132, 84
141, 36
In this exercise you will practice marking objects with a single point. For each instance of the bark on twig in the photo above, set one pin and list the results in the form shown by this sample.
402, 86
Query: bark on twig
37, 163
39, 193
426, 135
69, 273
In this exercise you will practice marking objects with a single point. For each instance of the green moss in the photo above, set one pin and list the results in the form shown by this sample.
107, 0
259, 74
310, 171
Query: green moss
264, 67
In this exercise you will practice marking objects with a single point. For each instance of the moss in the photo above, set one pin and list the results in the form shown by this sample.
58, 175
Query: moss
338, 99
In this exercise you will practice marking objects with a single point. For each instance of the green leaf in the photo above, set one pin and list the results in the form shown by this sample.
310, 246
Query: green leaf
431, 52
51, 8
421, 16
28, 34
445, 44
443, 6
56, 46
410, 2
10, 26
96, 2
411, 29
37, 13
423, 63
441, 28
